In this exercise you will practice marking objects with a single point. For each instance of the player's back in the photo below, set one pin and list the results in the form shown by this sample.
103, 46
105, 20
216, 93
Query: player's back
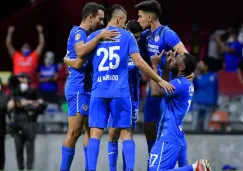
133, 80
173, 108
78, 78
110, 64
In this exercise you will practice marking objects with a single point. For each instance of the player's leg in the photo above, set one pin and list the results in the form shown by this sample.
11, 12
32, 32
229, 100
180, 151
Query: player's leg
122, 116
151, 115
98, 118
135, 110
114, 135
182, 158
76, 119
164, 155
85, 143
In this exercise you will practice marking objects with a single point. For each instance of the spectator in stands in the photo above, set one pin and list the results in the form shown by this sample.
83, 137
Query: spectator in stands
232, 50
47, 75
240, 36
216, 58
3, 110
206, 95
26, 61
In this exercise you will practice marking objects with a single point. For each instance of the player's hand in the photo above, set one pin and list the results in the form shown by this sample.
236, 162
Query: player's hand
170, 55
108, 34
39, 28
11, 29
190, 77
155, 59
65, 59
167, 86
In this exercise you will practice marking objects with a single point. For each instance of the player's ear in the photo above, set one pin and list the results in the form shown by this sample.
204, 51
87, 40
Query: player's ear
150, 17
182, 67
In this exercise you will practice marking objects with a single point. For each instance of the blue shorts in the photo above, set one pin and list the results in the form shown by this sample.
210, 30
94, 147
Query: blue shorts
152, 108
119, 109
78, 103
163, 156
135, 109
182, 158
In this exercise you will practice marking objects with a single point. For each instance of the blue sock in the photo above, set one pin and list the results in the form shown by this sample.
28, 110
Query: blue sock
93, 152
112, 155
129, 154
86, 157
150, 144
124, 162
67, 158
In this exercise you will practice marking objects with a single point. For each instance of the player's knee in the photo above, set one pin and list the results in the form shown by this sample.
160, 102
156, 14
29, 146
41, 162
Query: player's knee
126, 134
74, 133
114, 135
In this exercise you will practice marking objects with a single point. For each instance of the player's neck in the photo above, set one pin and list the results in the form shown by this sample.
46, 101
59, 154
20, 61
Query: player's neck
85, 26
155, 25
180, 74
112, 24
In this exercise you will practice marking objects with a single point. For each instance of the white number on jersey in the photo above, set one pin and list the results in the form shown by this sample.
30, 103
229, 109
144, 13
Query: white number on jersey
112, 55
152, 159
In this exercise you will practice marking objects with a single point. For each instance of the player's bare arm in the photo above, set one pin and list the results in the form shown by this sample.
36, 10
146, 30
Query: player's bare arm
82, 49
223, 48
145, 68
74, 63
9, 44
41, 44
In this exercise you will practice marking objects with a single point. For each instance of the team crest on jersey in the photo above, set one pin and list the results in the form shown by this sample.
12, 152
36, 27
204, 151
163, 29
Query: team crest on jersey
85, 107
77, 36
156, 39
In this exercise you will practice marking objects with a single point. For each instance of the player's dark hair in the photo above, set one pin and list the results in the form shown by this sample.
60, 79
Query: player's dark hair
112, 9
150, 6
206, 60
90, 8
134, 26
101, 7
190, 63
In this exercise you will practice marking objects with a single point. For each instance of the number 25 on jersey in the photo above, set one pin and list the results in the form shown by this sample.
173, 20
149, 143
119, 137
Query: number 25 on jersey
111, 54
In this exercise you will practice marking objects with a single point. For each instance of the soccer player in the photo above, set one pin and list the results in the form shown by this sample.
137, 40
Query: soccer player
153, 40
78, 86
110, 90
174, 107
133, 80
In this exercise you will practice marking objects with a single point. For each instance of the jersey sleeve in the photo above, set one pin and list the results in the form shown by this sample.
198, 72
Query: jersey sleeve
79, 36
132, 45
171, 38
178, 87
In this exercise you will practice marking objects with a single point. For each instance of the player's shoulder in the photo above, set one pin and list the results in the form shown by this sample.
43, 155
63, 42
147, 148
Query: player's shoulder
181, 82
78, 30
145, 33
95, 33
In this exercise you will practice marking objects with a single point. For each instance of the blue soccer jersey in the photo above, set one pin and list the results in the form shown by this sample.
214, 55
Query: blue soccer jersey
163, 38
78, 78
78, 85
110, 65
174, 108
133, 80
170, 144
110, 95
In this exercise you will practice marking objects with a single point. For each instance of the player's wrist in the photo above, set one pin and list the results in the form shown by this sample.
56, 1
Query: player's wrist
155, 67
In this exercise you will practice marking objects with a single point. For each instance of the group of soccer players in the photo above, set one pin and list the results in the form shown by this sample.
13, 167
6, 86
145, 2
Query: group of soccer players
102, 89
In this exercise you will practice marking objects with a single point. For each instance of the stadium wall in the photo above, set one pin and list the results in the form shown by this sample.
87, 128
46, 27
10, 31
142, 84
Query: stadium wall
219, 149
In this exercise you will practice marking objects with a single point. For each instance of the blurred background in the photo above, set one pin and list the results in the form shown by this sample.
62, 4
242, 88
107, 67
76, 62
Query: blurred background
210, 30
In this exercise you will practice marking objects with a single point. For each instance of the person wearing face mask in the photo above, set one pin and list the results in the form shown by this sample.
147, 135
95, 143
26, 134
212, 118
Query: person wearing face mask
47, 75
25, 60
23, 108
232, 50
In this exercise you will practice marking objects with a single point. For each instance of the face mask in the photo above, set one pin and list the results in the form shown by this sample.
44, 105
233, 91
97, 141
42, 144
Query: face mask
26, 52
230, 39
23, 87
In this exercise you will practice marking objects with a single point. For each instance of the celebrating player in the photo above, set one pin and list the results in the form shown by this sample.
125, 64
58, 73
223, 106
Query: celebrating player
110, 90
170, 137
78, 84
133, 79
153, 40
